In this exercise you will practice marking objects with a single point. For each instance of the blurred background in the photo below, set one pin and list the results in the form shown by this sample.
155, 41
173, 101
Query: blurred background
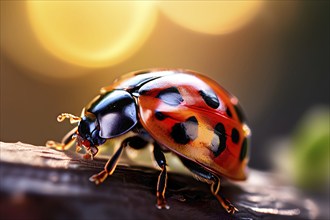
273, 55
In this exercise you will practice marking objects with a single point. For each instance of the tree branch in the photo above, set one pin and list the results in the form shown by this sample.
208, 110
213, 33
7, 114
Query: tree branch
42, 183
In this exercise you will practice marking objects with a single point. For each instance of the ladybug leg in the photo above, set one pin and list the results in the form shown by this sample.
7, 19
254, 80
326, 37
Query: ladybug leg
162, 178
226, 204
109, 167
91, 152
67, 142
203, 175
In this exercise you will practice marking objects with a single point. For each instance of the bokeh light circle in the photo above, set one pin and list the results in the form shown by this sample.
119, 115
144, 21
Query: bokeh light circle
211, 17
92, 33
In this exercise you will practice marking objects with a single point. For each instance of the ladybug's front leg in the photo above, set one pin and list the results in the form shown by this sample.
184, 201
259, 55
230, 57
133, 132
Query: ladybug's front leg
67, 142
109, 167
135, 142
162, 178
69, 139
226, 204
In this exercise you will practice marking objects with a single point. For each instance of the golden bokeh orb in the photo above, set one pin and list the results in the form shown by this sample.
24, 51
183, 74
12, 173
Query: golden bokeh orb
211, 17
92, 33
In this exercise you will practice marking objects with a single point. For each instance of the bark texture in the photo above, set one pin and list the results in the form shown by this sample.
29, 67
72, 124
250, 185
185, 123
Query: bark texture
42, 183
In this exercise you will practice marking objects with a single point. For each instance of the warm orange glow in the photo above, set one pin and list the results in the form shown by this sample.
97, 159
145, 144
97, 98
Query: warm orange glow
211, 17
65, 39
92, 33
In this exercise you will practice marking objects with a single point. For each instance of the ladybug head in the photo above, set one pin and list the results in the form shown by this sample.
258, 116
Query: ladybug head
88, 131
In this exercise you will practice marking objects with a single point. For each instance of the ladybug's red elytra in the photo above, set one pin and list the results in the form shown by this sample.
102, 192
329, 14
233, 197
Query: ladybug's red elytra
175, 110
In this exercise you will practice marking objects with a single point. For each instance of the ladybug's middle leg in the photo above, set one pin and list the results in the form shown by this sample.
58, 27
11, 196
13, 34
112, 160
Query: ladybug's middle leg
162, 178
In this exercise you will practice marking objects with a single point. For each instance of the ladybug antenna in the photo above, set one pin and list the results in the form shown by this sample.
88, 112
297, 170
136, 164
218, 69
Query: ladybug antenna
73, 119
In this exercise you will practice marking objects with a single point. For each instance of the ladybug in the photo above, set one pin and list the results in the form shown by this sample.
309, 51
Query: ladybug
176, 110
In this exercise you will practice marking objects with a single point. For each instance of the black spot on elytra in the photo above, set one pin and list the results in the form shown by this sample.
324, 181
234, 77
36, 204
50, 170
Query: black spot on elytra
160, 115
239, 112
234, 135
228, 112
184, 132
192, 119
210, 98
218, 144
170, 96
244, 150
179, 134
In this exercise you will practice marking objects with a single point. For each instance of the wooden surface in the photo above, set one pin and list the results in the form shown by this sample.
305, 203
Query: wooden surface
42, 183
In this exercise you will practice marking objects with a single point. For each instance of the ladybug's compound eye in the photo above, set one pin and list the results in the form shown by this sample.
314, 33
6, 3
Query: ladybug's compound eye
88, 131
86, 126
